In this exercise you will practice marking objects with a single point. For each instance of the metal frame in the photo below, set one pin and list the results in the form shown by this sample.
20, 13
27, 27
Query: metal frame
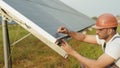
6, 44
32, 28
11, 14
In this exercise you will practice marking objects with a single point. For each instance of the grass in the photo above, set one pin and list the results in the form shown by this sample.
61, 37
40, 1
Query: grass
32, 53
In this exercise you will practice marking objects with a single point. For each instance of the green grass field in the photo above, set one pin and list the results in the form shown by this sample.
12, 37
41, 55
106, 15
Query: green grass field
32, 53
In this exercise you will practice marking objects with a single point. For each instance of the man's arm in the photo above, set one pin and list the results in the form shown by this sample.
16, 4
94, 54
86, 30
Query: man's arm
83, 37
103, 61
77, 35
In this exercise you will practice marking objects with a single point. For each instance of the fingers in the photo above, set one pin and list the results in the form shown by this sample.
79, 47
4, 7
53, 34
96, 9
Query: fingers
63, 42
62, 29
66, 47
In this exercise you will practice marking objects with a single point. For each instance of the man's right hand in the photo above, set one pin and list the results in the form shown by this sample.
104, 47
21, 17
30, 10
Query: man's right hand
63, 30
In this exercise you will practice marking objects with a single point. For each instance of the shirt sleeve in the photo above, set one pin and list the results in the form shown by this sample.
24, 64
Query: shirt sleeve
113, 50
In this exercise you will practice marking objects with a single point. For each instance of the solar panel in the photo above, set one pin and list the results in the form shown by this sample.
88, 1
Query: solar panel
43, 17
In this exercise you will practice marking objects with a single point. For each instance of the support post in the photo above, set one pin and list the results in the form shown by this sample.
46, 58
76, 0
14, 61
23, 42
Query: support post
6, 44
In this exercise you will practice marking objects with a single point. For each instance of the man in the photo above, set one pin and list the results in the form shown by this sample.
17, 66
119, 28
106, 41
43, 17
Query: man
106, 35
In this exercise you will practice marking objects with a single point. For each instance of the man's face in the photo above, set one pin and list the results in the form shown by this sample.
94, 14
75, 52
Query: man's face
102, 33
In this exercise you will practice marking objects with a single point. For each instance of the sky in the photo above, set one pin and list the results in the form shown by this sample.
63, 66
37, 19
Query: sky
93, 8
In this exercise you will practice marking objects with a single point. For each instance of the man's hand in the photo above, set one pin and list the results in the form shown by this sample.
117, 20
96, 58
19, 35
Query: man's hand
63, 30
66, 47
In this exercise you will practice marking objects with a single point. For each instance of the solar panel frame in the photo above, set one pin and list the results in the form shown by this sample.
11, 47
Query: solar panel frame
43, 20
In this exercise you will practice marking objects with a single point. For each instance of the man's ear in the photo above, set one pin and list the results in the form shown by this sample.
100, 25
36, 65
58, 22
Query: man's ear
110, 31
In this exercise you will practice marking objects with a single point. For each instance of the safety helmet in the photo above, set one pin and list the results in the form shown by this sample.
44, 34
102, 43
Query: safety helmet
106, 21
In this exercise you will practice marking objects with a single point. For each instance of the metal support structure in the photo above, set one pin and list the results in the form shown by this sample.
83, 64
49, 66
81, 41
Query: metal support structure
20, 39
10, 13
6, 44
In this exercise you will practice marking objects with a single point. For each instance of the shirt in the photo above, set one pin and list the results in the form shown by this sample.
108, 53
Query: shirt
112, 47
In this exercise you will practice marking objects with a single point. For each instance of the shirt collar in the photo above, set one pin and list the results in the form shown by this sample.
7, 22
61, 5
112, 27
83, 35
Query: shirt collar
113, 38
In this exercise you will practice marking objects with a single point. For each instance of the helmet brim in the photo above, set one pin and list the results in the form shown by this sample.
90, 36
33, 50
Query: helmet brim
96, 27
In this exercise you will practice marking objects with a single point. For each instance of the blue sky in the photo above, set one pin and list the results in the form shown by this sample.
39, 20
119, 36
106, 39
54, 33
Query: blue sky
95, 7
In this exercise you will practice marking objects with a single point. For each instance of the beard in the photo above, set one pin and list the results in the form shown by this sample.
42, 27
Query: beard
103, 36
